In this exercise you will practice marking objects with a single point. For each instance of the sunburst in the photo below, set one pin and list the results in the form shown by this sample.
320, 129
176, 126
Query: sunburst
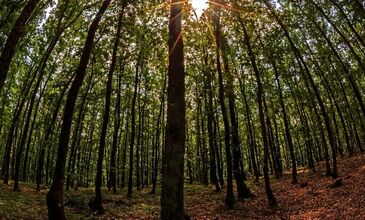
199, 6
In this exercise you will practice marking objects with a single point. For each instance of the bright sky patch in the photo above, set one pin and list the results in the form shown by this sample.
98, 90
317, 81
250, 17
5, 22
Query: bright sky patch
199, 6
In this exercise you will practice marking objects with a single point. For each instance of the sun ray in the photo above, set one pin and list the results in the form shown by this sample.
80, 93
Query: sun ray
199, 6
225, 5
175, 44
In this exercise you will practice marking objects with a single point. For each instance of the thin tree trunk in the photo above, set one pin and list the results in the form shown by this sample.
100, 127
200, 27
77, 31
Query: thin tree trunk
14, 124
229, 200
48, 131
260, 100
287, 126
133, 125
156, 144
55, 194
12, 41
113, 153
25, 132
211, 137
309, 80
98, 203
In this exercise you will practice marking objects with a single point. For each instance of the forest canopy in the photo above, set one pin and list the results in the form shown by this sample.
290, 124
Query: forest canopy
130, 95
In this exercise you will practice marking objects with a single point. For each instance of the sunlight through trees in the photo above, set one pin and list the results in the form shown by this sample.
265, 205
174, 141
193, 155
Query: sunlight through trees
131, 96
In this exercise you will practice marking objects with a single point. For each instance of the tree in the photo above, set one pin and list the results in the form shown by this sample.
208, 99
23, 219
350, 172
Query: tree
259, 88
229, 200
172, 189
55, 194
260, 100
12, 41
98, 203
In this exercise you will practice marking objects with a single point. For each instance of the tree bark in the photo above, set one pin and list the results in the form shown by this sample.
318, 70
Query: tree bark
260, 100
55, 195
210, 122
12, 41
133, 125
172, 189
287, 126
229, 200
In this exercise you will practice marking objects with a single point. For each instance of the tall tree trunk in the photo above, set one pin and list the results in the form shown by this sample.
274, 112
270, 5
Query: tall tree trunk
124, 150
251, 139
287, 126
260, 100
55, 195
218, 145
229, 200
239, 175
48, 131
25, 132
138, 145
98, 203
14, 124
188, 155
172, 189
117, 123
309, 81
30, 136
76, 136
211, 137
12, 41
201, 143
133, 125
156, 142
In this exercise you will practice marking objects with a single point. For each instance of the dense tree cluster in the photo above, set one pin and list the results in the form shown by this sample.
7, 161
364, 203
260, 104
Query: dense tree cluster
132, 93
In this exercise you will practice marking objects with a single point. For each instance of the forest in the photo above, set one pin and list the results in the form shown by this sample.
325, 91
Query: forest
182, 109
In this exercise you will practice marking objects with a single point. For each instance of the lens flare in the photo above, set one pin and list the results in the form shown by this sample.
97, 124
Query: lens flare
199, 6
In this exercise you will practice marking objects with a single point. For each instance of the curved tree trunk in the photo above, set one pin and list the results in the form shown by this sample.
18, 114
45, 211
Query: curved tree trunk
48, 132
98, 203
287, 126
229, 200
13, 126
260, 100
311, 84
13, 39
55, 195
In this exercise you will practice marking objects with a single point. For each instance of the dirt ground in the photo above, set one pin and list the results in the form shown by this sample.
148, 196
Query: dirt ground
317, 200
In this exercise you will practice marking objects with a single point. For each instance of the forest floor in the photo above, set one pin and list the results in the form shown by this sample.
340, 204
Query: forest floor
317, 200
